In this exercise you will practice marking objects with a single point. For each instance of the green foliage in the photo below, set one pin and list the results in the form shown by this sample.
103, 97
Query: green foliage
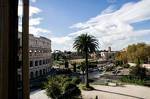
64, 71
74, 66
118, 63
76, 80
92, 64
62, 87
86, 44
89, 88
138, 71
58, 63
70, 90
53, 90
82, 67
125, 65
137, 53
66, 64
122, 57
132, 79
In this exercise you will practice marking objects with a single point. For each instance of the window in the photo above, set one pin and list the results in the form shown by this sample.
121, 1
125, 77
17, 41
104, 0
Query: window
35, 41
36, 63
19, 77
20, 64
43, 71
40, 72
36, 74
31, 75
40, 62
31, 63
43, 61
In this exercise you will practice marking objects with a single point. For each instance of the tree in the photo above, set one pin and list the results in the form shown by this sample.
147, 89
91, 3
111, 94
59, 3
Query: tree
86, 44
137, 53
82, 67
138, 71
62, 87
74, 66
61, 57
122, 56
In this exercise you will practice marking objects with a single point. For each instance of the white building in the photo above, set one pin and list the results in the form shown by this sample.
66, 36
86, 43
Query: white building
107, 54
39, 56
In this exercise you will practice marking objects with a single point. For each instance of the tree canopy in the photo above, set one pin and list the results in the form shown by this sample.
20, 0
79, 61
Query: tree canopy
139, 52
86, 44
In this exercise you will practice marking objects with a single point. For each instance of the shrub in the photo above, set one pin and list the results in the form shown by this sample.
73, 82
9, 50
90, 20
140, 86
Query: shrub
53, 90
70, 90
61, 87
132, 79
76, 80
138, 71
64, 71
87, 88
147, 83
118, 63
126, 65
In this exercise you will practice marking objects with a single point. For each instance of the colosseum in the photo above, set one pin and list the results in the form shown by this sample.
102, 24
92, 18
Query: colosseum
39, 56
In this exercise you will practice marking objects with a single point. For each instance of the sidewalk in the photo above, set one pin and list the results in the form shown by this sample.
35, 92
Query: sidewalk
106, 92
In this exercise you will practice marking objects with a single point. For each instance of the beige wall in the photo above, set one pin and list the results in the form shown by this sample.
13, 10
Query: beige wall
39, 53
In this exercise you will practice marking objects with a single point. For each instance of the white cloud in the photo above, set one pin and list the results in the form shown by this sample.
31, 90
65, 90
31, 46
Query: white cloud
34, 20
38, 31
61, 40
32, 10
63, 43
33, 1
110, 9
113, 28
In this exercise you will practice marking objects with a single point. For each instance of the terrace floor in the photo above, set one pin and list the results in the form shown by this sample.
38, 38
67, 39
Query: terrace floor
107, 92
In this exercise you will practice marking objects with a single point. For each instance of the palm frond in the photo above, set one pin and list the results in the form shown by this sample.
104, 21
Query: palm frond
86, 42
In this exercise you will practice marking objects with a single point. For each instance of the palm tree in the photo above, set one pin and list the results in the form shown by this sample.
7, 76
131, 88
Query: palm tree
86, 44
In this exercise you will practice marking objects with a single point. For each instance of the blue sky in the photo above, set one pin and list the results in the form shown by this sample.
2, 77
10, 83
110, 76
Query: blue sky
115, 23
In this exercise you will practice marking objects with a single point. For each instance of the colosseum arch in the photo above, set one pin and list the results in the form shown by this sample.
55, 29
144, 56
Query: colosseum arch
36, 74
44, 72
19, 77
40, 72
31, 75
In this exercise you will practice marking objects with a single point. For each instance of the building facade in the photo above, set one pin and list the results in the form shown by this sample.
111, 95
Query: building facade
107, 54
104, 55
39, 56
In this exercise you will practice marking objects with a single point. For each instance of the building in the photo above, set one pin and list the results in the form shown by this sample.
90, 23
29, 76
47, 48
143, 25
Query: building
108, 54
76, 55
39, 56
104, 55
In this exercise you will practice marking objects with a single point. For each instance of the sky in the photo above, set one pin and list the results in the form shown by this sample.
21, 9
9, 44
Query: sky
115, 23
